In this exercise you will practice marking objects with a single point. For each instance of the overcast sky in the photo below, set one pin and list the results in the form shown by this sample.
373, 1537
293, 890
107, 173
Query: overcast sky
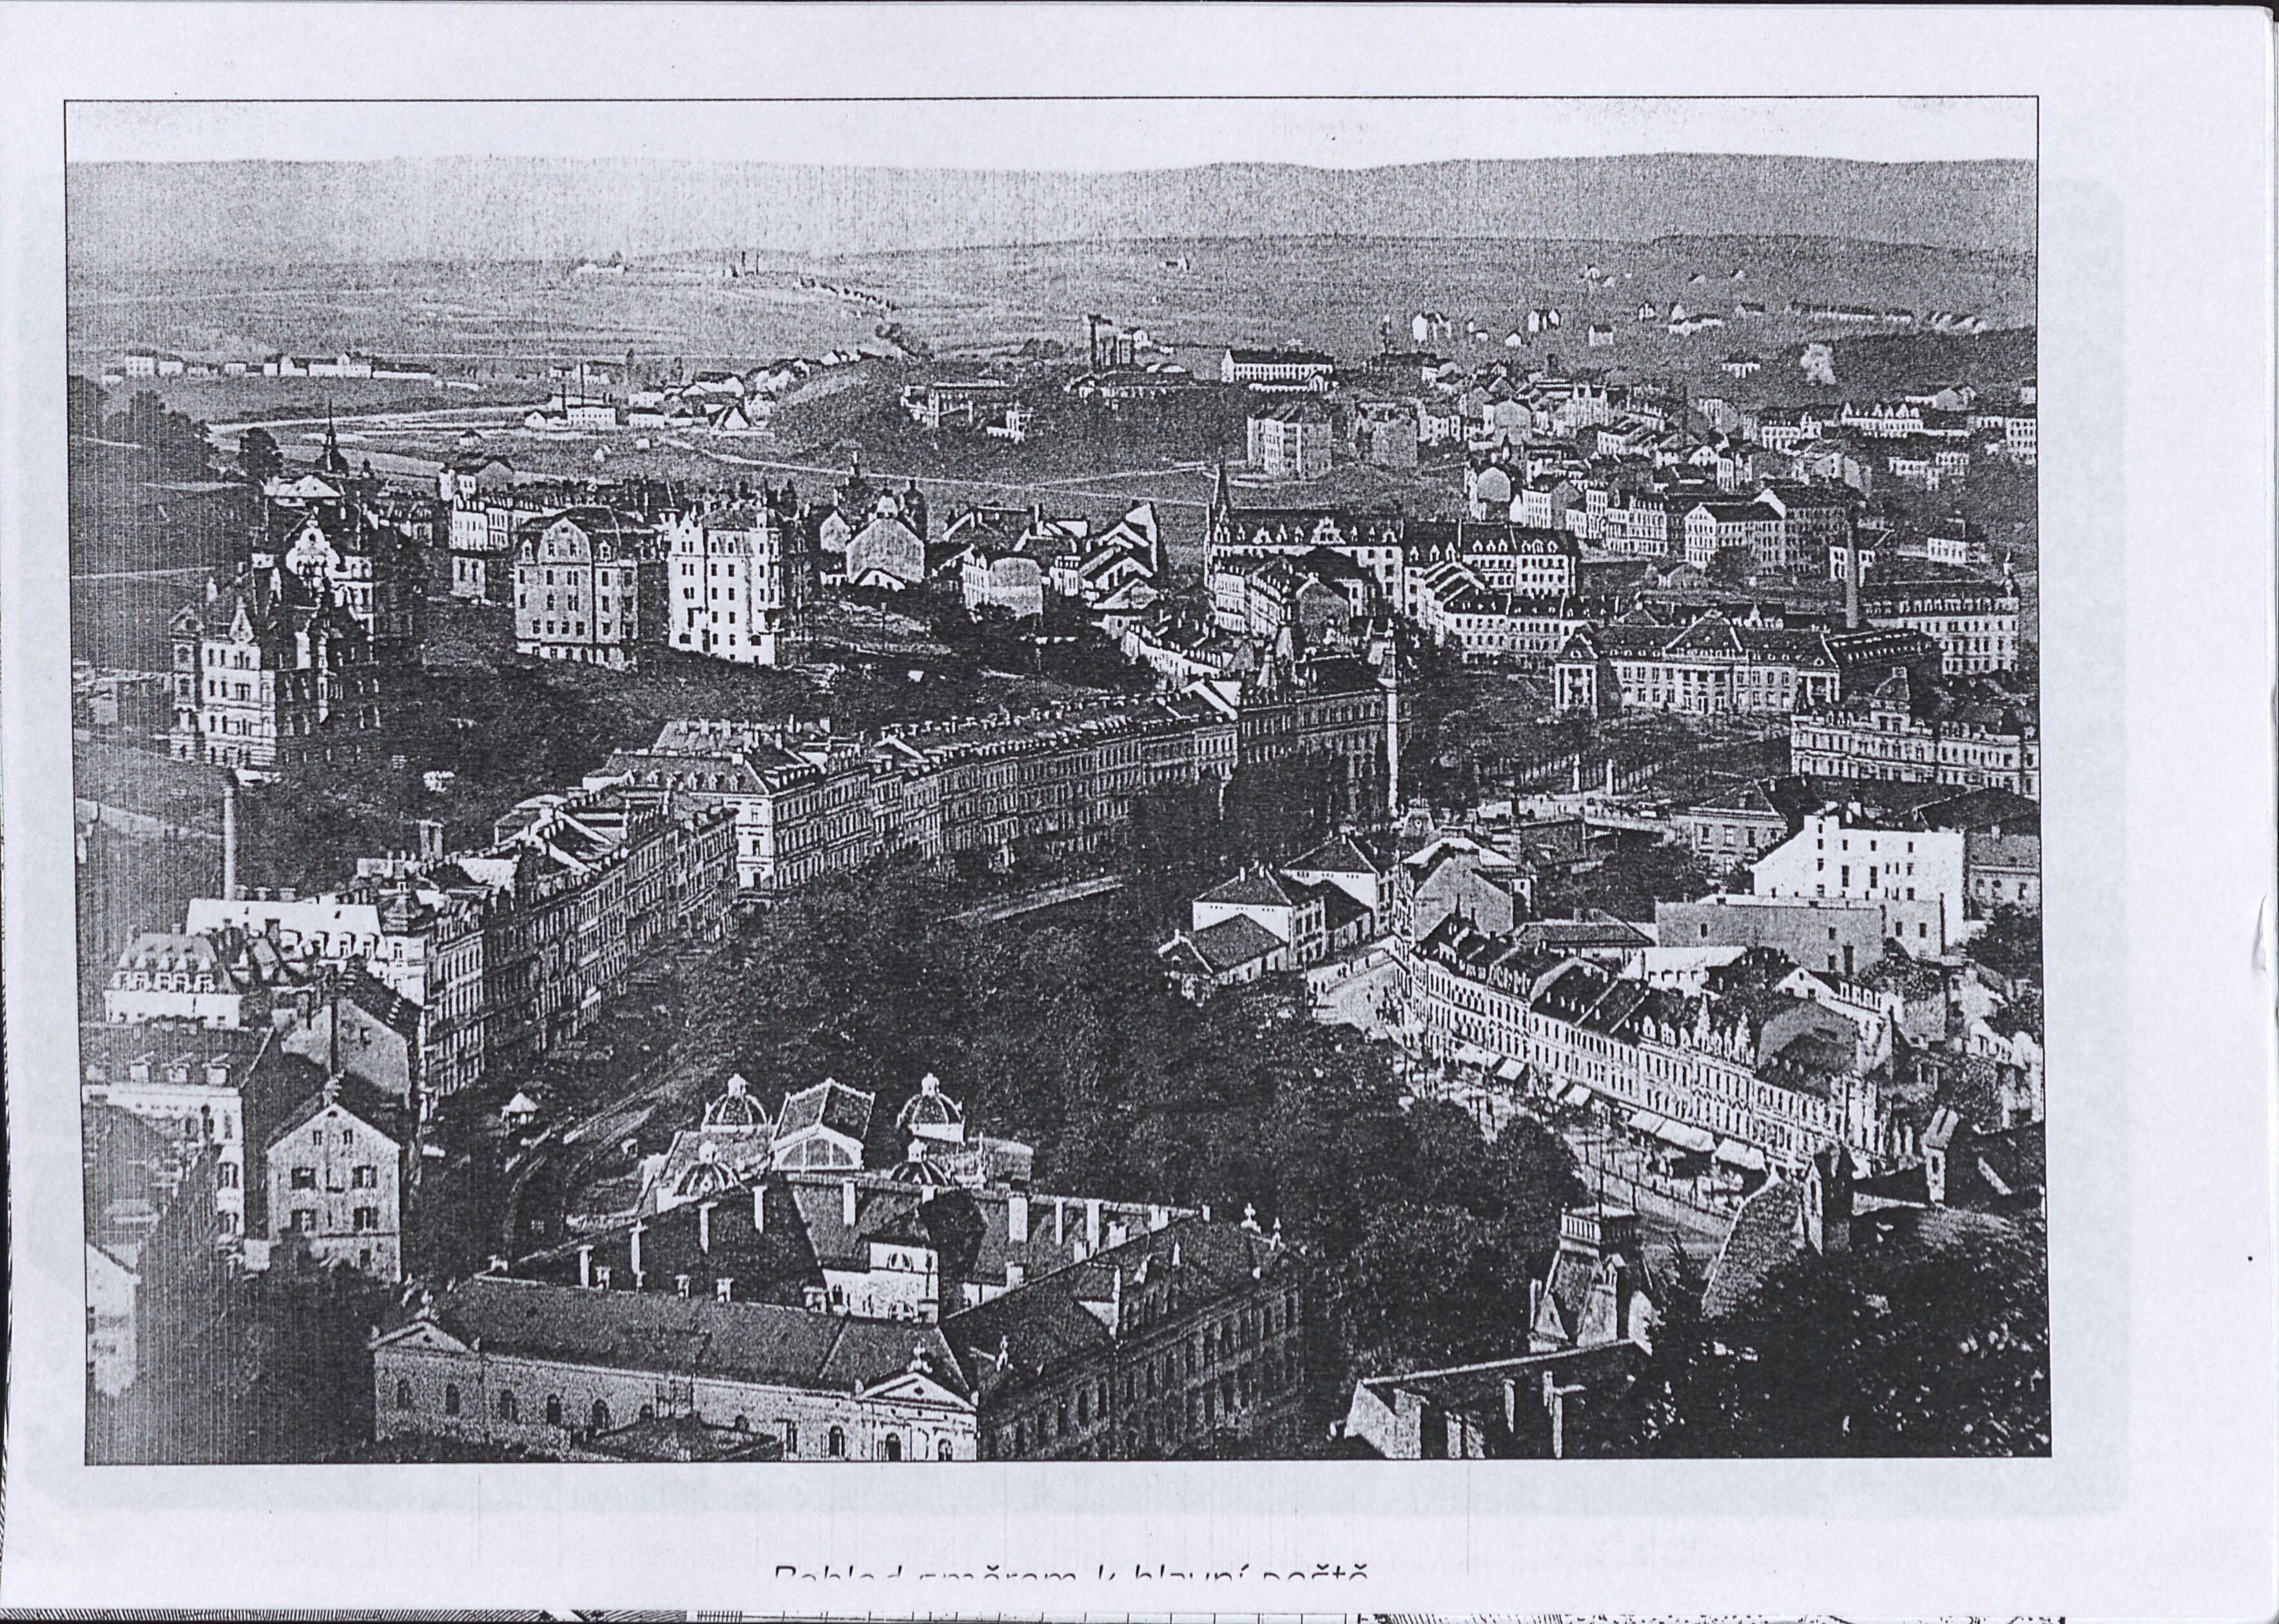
1088, 133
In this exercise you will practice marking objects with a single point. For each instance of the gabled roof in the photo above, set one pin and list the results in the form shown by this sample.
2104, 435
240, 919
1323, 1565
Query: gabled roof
668, 1334
829, 1104
1232, 943
1337, 855
1749, 799
1253, 887
1037, 1330
354, 1096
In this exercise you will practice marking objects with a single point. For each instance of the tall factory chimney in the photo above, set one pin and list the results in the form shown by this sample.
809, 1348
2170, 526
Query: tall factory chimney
229, 838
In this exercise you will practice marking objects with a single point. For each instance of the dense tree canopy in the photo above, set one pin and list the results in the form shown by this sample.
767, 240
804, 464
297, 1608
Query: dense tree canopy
1904, 1350
257, 455
1063, 1034
176, 442
2011, 944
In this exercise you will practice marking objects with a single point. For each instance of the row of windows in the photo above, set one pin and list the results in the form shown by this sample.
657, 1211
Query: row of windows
360, 1177
598, 1418
303, 1221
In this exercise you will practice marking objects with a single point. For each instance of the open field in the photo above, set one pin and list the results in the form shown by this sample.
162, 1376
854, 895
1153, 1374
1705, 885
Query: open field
265, 400
1333, 293
501, 318
1329, 292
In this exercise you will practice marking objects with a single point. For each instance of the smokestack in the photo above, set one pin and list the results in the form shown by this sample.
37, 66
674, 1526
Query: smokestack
759, 1209
585, 1266
704, 1226
229, 838
847, 1202
1851, 594
636, 1257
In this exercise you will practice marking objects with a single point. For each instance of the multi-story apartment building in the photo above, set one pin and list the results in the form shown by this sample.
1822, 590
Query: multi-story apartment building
1879, 735
1817, 516
728, 581
484, 524
1640, 527
1182, 1342
1291, 441
570, 890
200, 1089
1914, 876
265, 674
1277, 369
1531, 563
1975, 621
1374, 542
1338, 709
344, 554
808, 805
1755, 528
336, 1181
1713, 1075
1456, 610
1717, 666
799, 802
422, 942
1881, 421
221, 979
590, 587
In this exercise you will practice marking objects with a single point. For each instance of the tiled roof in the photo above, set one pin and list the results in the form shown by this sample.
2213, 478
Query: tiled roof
1253, 887
831, 1104
354, 1096
1232, 943
1337, 855
1043, 1326
655, 1331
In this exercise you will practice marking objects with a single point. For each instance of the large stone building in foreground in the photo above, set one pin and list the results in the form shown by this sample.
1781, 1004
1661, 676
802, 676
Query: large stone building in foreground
938, 1309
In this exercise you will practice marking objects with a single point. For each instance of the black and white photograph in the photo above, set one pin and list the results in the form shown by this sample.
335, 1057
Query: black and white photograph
1264, 795
756, 811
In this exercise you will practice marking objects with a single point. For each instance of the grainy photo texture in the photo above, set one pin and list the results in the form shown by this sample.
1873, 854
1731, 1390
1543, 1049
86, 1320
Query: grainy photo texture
747, 810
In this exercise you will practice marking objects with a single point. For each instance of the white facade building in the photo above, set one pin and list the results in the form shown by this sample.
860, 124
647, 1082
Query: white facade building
725, 584
1915, 875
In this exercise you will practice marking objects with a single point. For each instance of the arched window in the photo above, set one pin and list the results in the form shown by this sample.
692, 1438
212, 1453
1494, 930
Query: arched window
649, 1412
791, 1440
941, 1450
893, 1447
836, 1446
451, 1398
601, 1416
506, 1411
554, 1409
404, 1395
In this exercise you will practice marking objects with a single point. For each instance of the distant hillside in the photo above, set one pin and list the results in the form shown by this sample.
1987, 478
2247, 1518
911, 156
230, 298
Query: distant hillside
129, 218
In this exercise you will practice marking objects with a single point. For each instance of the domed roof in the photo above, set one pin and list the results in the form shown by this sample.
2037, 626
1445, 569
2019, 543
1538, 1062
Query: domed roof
736, 1108
921, 1169
703, 1178
931, 1113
